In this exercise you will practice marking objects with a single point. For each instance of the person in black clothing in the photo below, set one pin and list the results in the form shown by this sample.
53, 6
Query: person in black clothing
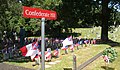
22, 36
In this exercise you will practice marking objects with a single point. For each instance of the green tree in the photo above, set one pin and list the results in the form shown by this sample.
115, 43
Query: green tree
33, 25
10, 11
70, 14
90, 13
106, 16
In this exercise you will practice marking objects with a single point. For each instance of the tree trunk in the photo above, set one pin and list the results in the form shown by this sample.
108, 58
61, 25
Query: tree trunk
105, 18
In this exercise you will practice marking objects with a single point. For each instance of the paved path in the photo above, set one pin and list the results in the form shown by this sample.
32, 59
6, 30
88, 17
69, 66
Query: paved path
4, 66
89, 61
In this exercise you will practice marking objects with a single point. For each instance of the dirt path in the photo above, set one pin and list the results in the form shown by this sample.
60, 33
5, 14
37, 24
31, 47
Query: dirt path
4, 66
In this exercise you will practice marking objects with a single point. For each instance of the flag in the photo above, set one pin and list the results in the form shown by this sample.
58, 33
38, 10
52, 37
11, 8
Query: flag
93, 41
35, 45
36, 56
66, 42
106, 58
86, 41
56, 52
71, 47
64, 47
30, 50
48, 54
77, 44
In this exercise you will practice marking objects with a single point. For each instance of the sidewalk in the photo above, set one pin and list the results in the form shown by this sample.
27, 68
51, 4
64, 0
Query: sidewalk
4, 66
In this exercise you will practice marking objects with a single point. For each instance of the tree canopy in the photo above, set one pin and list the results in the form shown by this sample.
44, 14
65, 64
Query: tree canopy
70, 14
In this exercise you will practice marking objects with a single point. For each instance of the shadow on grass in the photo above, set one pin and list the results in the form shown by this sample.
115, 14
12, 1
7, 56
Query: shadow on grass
107, 68
17, 60
109, 42
113, 43
20, 59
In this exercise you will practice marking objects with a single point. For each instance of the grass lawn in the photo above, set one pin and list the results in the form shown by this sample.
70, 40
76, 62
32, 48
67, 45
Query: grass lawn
99, 64
83, 54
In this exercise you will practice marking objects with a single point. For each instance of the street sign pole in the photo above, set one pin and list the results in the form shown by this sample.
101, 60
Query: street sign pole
43, 43
29, 12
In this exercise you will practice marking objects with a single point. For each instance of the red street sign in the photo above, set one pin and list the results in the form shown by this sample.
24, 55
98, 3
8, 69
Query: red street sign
29, 12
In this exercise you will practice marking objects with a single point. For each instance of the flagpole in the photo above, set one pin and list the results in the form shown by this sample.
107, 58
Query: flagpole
43, 43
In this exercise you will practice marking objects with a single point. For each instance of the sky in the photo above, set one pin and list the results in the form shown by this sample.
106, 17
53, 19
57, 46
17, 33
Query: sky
115, 6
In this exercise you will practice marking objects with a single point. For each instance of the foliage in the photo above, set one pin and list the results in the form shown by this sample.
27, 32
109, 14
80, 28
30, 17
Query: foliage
70, 14
33, 25
10, 13
111, 53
